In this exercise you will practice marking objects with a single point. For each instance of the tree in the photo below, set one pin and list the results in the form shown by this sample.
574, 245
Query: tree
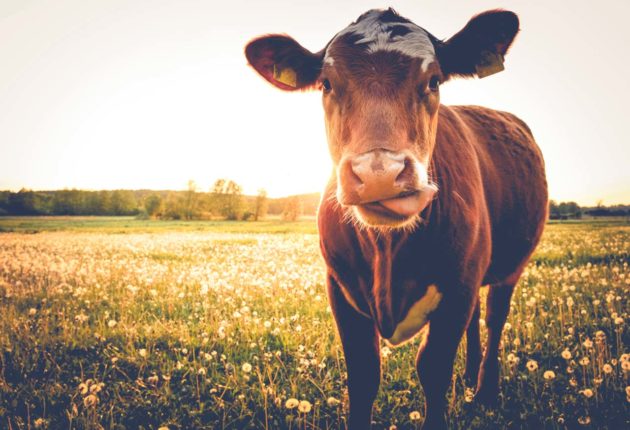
123, 202
227, 199
261, 205
154, 205
292, 209
191, 201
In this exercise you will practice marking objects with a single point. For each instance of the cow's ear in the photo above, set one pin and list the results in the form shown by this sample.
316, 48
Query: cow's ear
479, 48
284, 62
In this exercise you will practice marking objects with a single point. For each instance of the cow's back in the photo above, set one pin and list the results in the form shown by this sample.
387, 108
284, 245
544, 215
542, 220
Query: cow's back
513, 176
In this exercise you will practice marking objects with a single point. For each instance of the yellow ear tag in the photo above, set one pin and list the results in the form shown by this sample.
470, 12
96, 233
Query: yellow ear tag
286, 76
490, 63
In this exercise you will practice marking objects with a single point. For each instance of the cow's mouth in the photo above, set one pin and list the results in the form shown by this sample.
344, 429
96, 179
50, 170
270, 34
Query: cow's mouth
395, 211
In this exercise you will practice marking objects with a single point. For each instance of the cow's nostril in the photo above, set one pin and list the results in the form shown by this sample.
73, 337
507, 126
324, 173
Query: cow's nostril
407, 174
351, 177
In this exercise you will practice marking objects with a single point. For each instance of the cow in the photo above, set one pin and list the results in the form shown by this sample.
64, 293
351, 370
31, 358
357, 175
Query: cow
427, 203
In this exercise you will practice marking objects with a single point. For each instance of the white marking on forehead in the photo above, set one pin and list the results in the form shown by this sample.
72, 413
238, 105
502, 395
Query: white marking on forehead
329, 60
377, 35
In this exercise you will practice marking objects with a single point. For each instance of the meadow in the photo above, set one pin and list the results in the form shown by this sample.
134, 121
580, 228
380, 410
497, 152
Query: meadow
126, 324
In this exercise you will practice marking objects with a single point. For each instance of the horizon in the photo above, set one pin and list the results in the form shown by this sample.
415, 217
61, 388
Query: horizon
115, 95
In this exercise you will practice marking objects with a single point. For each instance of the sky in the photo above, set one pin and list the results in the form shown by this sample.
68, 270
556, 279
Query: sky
107, 94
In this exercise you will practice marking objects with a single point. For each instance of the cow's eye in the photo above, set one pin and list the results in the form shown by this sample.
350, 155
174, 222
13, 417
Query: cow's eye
434, 83
326, 85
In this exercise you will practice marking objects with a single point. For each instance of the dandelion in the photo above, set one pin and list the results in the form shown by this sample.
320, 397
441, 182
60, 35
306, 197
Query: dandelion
304, 406
566, 354
532, 365
291, 403
386, 352
142, 352
584, 420
332, 402
414, 416
549, 375
587, 392
90, 400
246, 367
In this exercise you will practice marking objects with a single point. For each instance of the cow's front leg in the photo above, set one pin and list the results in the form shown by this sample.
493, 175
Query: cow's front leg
361, 349
436, 356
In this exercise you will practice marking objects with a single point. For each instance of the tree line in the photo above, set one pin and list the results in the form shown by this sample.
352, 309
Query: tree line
225, 200
571, 210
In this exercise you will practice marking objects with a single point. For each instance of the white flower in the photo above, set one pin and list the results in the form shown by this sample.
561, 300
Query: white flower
332, 402
304, 406
414, 416
291, 403
246, 367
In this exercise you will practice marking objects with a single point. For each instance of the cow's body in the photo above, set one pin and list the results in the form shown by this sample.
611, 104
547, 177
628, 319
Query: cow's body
427, 202
482, 229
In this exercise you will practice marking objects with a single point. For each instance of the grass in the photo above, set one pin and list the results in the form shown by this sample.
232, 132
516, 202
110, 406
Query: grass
126, 225
215, 325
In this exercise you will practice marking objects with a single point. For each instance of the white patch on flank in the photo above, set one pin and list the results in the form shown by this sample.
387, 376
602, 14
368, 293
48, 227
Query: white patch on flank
416, 316
376, 35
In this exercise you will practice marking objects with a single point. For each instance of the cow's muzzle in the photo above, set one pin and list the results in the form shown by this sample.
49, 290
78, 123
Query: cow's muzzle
386, 187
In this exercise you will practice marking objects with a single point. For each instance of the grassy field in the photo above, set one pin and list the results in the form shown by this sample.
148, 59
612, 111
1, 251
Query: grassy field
210, 325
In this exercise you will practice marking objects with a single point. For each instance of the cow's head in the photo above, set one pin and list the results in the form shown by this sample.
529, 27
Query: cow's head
380, 80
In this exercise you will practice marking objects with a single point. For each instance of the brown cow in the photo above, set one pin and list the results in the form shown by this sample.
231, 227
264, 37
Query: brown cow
427, 202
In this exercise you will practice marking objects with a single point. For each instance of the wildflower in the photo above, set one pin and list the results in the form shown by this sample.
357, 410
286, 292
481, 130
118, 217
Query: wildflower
618, 321
414, 416
39, 422
549, 375
111, 323
201, 371
163, 428
584, 361
588, 343
90, 400
84, 388
291, 403
566, 354
153, 379
584, 420
607, 368
304, 406
532, 365
332, 402
587, 392
246, 367
142, 352
469, 395
32, 311
628, 390
386, 352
